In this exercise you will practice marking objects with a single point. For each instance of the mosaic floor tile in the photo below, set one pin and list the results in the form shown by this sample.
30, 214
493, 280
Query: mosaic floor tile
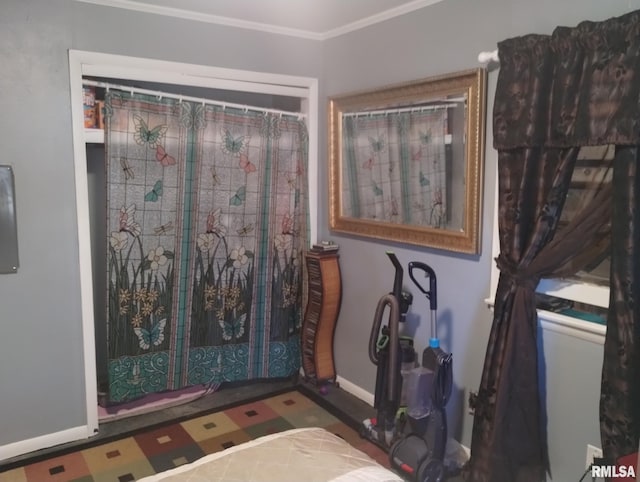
163, 448
267, 428
114, 454
224, 441
124, 473
176, 457
64, 468
289, 402
251, 414
209, 426
348, 434
15, 475
312, 416
374, 452
163, 440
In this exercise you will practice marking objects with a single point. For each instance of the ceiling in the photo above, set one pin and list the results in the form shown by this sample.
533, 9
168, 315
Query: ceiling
314, 19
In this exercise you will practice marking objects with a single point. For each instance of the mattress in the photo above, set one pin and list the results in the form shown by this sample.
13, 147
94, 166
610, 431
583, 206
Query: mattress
306, 454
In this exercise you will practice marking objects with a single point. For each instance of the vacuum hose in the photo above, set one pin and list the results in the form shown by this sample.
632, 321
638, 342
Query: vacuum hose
394, 322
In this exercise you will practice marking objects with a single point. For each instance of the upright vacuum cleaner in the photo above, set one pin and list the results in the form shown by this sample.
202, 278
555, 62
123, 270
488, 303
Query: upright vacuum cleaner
419, 453
387, 349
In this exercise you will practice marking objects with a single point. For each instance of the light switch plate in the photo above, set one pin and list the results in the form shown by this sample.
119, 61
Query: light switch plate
8, 222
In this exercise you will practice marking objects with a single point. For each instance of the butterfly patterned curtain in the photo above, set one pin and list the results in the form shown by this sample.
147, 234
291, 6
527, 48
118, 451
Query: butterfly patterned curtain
394, 167
207, 221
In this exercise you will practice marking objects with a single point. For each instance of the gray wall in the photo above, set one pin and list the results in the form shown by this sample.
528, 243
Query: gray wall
441, 38
41, 344
41, 360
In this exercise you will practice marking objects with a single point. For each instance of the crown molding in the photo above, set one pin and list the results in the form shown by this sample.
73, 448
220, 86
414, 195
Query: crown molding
379, 17
263, 27
203, 17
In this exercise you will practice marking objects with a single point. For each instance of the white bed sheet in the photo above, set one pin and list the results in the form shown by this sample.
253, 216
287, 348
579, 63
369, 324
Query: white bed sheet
298, 455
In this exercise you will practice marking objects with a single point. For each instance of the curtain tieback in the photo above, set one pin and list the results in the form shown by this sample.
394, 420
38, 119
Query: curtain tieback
519, 277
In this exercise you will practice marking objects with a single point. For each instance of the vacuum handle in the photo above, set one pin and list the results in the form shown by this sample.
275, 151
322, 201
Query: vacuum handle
432, 293
397, 280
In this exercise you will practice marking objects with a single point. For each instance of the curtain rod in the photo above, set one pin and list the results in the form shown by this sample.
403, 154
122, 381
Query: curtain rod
397, 111
159, 94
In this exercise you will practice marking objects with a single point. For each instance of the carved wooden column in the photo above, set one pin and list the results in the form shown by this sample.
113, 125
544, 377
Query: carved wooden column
323, 306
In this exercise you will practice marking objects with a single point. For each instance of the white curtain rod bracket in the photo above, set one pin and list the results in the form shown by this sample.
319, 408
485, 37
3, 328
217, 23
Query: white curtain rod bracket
486, 57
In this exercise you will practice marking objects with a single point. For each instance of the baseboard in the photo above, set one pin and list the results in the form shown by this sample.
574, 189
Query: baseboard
44, 441
355, 390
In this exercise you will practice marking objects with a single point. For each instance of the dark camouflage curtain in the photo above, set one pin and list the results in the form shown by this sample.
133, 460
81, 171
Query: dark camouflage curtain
620, 394
578, 87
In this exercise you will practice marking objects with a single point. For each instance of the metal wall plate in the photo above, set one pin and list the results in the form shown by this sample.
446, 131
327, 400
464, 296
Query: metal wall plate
8, 224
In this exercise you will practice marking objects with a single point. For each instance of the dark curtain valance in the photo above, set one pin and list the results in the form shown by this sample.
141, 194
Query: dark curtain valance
576, 87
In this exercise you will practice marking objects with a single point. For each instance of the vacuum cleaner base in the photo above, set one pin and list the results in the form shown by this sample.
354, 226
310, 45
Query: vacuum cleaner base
411, 457
377, 435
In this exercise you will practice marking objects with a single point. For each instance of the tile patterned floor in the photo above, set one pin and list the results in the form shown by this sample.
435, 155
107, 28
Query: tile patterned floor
168, 446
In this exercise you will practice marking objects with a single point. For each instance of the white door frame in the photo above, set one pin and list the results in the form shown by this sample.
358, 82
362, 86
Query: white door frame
82, 63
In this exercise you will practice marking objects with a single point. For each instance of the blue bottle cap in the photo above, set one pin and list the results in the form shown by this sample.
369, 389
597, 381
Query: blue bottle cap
434, 343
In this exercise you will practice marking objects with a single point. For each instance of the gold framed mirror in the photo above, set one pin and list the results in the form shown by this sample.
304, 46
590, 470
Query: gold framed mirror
407, 161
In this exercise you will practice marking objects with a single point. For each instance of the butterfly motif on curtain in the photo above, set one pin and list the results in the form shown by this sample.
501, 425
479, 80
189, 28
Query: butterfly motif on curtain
163, 158
368, 164
425, 137
246, 164
416, 155
233, 145
233, 329
291, 181
164, 228
155, 193
424, 180
126, 168
376, 189
244, 230
143, 135
153, 337
238, 198
377, 145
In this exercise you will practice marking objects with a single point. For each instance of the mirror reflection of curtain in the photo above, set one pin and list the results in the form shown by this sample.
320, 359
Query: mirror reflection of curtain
577, 87
395, 167
207, 220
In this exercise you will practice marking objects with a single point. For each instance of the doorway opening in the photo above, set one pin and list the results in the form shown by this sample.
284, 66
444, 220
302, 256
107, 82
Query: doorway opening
233, 86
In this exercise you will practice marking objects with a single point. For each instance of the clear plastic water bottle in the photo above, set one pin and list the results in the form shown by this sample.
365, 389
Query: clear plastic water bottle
408, 364
419, 403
